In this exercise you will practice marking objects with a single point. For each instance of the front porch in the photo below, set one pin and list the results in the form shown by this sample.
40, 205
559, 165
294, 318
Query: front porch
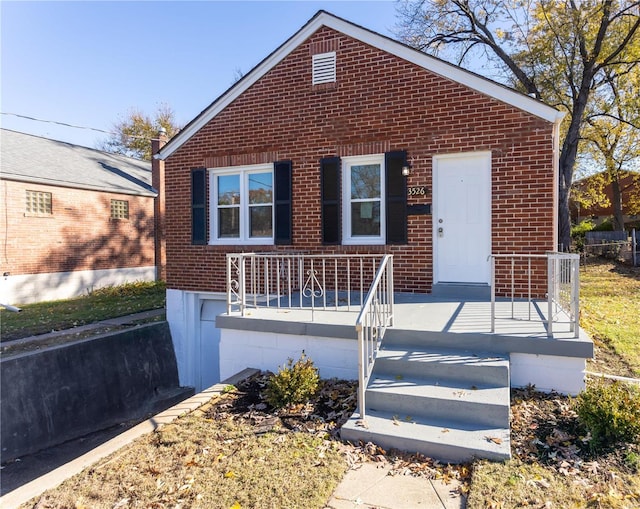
425, 363
429, 320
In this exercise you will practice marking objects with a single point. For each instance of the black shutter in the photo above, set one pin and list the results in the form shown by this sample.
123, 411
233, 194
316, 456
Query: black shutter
330, 196
396, 199
198, 206
283, 223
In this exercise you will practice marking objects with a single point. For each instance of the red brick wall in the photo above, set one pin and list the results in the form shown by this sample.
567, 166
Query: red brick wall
379, 103
79, 235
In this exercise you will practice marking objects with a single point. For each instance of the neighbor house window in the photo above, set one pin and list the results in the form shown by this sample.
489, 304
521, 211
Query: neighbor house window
363, 190
242, 200
119, 209
39, 202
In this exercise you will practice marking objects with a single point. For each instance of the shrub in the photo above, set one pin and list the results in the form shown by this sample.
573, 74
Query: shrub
611, 413
578, 233
605, 226
293, 384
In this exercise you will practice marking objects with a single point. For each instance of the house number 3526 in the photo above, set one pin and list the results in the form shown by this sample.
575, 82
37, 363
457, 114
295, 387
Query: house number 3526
417, 191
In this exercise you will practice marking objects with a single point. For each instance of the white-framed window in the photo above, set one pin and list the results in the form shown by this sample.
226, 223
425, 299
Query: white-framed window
363, 203
242, 205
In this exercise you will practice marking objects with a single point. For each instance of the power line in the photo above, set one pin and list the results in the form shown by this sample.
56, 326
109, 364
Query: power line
71, 125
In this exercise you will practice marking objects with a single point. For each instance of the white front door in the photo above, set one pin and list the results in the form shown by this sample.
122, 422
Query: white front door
462, 217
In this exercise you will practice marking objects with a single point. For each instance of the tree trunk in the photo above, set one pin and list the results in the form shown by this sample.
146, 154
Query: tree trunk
616, 199
568, 159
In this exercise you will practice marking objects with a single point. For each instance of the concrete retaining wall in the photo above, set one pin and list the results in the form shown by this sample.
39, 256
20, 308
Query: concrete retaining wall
48, 397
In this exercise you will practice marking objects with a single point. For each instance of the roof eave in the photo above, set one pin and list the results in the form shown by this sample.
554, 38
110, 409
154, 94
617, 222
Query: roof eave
323, 18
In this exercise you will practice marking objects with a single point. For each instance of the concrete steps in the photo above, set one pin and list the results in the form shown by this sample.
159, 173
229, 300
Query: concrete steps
451, 405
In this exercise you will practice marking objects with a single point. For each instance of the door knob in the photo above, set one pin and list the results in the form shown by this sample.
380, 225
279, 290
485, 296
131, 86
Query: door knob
440, 232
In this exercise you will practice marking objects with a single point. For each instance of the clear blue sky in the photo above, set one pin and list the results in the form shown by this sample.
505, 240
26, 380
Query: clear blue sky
89, 63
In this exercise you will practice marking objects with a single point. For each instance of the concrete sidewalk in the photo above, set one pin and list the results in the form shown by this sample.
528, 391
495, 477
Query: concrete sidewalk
370, 485
373, 486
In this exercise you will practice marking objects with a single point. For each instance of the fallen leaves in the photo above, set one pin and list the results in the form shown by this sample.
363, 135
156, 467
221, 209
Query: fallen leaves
545, 431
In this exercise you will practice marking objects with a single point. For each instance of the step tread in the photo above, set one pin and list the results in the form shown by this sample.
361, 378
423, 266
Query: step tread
440, 389
424, 434
414, 353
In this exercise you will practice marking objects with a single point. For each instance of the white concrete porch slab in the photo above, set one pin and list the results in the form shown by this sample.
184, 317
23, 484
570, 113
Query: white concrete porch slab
520, 326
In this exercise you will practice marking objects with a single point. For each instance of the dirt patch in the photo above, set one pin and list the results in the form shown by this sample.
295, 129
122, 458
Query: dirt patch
553, 465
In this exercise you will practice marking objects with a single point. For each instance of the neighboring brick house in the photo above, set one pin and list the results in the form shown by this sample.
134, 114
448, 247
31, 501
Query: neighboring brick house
75, 218
586, 200
333, 110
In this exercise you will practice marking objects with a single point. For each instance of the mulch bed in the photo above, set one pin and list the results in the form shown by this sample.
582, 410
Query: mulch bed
544, 430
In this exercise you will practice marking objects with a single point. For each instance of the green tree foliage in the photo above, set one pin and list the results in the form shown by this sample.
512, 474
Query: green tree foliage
612, 141
133, 134
559, 51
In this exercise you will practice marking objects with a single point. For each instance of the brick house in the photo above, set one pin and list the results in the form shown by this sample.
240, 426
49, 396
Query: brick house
75, 218
591, 189
344, 144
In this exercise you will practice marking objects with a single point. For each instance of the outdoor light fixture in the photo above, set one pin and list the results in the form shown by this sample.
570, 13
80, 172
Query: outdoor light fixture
406, 170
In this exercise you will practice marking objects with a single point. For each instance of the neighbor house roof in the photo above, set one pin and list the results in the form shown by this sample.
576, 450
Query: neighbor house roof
28, 158
323, 18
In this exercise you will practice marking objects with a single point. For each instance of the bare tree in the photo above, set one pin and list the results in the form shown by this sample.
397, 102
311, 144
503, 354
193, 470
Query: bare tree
556, 50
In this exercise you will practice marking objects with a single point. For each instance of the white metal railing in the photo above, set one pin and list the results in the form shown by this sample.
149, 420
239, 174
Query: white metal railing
563, 287
329, 282
374, 318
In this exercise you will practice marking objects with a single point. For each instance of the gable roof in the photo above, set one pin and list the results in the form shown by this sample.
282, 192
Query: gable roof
323, 18
28, 158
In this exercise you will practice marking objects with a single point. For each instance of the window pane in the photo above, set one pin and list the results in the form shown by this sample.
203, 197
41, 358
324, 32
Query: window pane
119, 209
229, 222
260, 224
365, 181
38, 202
260, 188
365, 218
228, 190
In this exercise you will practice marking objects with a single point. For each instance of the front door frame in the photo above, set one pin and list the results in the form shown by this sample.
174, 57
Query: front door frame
487, 189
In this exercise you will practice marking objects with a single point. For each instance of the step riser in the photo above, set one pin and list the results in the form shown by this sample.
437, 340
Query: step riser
443, 452
483, 414
474, 375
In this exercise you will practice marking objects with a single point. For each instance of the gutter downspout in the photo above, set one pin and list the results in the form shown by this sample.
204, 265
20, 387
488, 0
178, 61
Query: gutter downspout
157, 181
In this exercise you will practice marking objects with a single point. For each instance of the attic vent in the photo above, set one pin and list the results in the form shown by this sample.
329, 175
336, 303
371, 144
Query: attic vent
324, 68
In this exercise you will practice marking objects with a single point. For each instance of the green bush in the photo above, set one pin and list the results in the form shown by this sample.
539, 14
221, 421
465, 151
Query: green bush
293, 384
579, 231
611, 413
605, 226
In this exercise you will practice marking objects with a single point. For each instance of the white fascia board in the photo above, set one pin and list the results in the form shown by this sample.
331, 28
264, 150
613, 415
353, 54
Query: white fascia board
381, 42
239, 88
450, 71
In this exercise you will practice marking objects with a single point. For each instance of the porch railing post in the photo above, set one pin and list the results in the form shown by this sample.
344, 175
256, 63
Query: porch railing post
361, 367
228, 284
390, 290
575, 279
550, 294
493, 293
